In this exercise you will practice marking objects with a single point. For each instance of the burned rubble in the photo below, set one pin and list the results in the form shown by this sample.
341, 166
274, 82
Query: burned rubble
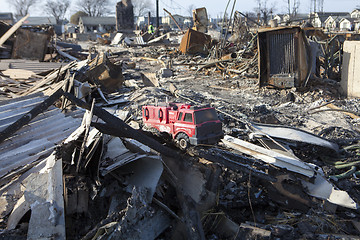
78, 162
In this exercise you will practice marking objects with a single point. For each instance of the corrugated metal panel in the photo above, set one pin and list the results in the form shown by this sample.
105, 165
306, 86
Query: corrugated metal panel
38, 138
282, 53
35, 66
139, 40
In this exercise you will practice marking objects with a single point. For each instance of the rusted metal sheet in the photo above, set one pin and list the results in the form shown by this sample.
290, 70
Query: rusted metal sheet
30, 45
200, 20
284, 58
195, 42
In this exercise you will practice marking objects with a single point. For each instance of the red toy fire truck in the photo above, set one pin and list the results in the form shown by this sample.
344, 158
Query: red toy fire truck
186, 124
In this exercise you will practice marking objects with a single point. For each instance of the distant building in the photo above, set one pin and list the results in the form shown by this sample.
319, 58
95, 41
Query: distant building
286, 19
318, 19
143, 21
332, 23
348, 24
355, 13
97, 24
38, 21
70, 28
279, 18
168, 21
7, 17
188, 22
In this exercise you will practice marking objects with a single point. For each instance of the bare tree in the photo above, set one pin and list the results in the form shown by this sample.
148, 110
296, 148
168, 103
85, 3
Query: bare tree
296, 7
321, 5
292, 7
263, 11
22, 6
57, 8
317, 5
142, 7
74, 19
94, 8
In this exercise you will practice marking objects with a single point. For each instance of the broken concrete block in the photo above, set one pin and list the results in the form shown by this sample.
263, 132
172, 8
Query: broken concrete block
165, 72
44, 195
350, 72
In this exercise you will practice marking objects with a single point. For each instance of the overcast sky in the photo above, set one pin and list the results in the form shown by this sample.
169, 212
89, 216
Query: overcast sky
214, 7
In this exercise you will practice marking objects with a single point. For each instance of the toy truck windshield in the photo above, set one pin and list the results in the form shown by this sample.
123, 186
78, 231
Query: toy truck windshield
206, 115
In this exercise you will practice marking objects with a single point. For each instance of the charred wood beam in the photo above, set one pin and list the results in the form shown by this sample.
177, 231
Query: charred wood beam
26, 118
116, 127
122, 131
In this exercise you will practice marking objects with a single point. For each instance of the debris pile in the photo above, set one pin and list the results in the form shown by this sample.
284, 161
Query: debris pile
78, 161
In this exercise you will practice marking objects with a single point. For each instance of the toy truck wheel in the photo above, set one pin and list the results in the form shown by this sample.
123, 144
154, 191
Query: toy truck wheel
182, 141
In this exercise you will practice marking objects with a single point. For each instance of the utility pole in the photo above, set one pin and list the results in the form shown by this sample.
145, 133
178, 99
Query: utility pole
157, 14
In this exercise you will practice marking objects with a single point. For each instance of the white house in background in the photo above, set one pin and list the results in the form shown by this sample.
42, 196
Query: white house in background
347, 24
70, 28
355, 13
318, 19
97, 24
168, 21
286, 19
278, 18
332, 23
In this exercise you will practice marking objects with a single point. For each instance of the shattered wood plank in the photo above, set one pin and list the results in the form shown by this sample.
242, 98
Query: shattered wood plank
12, 30
87, 124
64, 54
18, 73
150, 79
25, 119
49, 78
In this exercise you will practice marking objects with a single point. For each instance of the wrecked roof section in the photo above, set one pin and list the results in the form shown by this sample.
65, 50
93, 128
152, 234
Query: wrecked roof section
35, 140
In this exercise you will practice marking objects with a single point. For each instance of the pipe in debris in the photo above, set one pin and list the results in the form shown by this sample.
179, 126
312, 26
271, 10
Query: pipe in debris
229, 56
346, 174
227, 27
173, 20
157, 15
346, 165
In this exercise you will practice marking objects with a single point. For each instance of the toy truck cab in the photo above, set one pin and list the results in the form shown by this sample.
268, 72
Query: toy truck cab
186, 124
